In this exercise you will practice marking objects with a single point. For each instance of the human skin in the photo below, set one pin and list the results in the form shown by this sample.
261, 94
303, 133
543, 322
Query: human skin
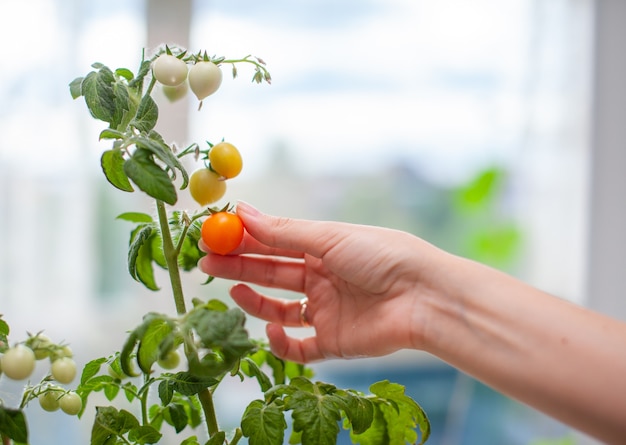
373, 291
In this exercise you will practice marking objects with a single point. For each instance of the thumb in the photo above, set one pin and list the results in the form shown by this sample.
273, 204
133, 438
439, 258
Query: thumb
311, 237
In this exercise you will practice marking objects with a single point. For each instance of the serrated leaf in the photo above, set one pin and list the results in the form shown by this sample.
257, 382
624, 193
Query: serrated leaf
263, 424
110, 423
148, 350
13, 424
136, 217
124, 107
137, 81
359, 411
223, 330
147, 114
376, 434
97, 88
112, 163
144, 434
316, 416
149, 177
401, 413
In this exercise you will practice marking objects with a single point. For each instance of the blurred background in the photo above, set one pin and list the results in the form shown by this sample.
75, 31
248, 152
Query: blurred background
490, 128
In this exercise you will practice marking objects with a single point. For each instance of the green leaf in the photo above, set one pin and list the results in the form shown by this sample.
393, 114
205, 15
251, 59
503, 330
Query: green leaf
111, 423
155, 144
193, 440
136, 217
144, 69
149, 177
91, 369
222, 330
376, 433
112, 163
76, 87
359, 411
147, 114
144, 434
183, 383
263, 424
217, 439
97, 88
401, 413
316, 414
176, 416
109, 133
124, 107
148, 350
140, 257
125, 73
13, 424
253, 370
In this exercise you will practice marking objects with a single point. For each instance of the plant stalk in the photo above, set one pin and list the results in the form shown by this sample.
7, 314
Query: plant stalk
171, 258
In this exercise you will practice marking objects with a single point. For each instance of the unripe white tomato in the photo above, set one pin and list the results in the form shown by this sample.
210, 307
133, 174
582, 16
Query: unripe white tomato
169, 70
204, 79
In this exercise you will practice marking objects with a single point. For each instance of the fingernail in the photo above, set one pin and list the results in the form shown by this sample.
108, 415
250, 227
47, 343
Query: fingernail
246, 208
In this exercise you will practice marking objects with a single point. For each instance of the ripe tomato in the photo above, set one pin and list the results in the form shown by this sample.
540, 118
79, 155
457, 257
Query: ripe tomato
204, 79
225, 159
18, 362
71, 403
206, 186
169, 70
222, 232
170, 361
63, 370
49, 400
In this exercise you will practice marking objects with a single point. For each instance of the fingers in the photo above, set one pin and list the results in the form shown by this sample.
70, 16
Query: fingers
265, 271
274, 310
291, 235
305, 350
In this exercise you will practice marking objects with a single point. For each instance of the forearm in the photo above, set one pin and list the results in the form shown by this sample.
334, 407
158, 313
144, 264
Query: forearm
555, 356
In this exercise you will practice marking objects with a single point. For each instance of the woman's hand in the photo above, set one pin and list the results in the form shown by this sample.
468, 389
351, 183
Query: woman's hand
360, 282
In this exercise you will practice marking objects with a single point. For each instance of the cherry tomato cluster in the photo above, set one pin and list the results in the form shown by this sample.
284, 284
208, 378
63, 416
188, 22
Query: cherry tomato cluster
172, 72
18, 362
207, 184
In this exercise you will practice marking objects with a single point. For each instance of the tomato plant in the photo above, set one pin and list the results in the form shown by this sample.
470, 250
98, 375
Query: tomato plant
222, 232
212, 335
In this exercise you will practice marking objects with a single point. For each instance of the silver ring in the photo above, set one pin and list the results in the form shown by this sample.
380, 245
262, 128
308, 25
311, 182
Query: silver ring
304, 304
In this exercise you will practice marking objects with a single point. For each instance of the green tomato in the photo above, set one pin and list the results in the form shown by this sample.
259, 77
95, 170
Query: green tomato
63, 370
225, 159
170, 361
41, 345
49, 400
18, 362
71, 403
169, 70
204, 79
206, 186
176, 92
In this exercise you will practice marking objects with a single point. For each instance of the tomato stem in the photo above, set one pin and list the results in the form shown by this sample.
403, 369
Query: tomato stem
171, 259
